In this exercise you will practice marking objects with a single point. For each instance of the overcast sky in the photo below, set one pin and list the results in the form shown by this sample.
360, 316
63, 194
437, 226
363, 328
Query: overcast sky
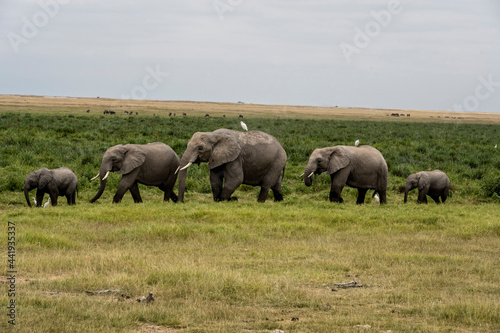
431, 55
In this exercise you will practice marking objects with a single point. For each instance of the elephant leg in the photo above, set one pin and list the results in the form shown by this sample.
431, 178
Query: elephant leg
435, 198
264, 192
335, 191
422, 197
216, 181
277, 192
382, 196
233, 177
136, 195
361, 196
39, 197
444, 195
53, 199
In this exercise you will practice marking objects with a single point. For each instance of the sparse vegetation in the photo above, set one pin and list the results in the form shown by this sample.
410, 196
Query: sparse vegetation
249, 267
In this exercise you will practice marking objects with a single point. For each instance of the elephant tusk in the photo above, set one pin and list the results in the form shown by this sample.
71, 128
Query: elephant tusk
187, 166
301, 175
177, 170
95, 177
312, 173
105, 176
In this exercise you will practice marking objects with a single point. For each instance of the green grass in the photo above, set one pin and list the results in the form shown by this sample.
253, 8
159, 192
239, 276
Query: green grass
249, 267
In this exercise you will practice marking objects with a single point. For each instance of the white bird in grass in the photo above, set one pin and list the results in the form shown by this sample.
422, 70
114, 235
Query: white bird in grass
47, 203
34, 200
377, 199
244, 126
356, 143
496, 146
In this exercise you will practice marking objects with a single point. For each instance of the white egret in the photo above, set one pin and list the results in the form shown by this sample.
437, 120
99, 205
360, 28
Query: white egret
244, 126
496, 146
377, 199
34, 200
356, 143
47, 203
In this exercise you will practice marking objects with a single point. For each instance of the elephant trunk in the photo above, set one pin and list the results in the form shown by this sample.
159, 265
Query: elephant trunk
26, 195
187, 159
309, 171
407, 189
103, 174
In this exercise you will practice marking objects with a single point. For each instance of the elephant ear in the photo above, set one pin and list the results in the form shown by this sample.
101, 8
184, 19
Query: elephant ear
225, 150
423, 180
44, 178
132, 159
339, 159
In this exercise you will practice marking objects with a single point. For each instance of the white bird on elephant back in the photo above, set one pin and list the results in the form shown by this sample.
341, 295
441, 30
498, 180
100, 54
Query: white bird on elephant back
244, 126
356, 143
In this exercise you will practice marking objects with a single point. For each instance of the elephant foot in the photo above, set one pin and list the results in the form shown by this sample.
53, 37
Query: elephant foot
233, 199
174, 198
278, 197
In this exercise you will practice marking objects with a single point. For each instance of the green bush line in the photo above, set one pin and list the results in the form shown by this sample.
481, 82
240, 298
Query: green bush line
466, 152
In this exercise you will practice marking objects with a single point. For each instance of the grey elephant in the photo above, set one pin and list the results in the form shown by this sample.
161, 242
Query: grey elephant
430, 183
153, 164
56, 182
361, 167
234, 158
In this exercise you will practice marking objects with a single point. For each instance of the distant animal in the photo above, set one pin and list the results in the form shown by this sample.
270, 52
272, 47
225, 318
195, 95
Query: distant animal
207, 115
430, 183
361, 167
170, 114
153, 164
253, 158
244, 126
125, 112
184, 114
137, 113
88, 111
240, 116
356, 143
55, 182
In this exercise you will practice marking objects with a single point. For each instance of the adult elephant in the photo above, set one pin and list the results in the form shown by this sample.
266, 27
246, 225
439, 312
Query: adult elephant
153, 164
234, 158
55, 182
430, 183
361, 167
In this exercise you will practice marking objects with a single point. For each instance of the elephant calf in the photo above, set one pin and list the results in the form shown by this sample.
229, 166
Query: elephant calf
430, 183
153, 164
55, 182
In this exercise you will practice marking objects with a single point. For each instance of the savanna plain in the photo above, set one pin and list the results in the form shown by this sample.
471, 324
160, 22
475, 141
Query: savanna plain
242, 266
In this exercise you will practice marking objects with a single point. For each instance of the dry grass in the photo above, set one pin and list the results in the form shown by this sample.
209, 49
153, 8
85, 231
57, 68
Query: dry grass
149, 107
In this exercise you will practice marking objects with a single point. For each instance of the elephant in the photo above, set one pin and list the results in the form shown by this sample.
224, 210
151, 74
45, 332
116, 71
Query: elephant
362, 167
253, 158
152, 164
55, 182
430, 183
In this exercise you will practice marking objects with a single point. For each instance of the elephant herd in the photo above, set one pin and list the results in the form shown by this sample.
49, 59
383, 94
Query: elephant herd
253, 158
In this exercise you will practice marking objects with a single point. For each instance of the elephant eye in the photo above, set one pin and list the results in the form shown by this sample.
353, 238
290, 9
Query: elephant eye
200, 148
319, 160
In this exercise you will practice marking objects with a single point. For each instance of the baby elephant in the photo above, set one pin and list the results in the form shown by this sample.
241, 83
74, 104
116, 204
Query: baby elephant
430, 183
55, 182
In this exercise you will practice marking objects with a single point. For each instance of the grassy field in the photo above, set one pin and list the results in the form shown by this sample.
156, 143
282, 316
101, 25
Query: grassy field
243, 266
